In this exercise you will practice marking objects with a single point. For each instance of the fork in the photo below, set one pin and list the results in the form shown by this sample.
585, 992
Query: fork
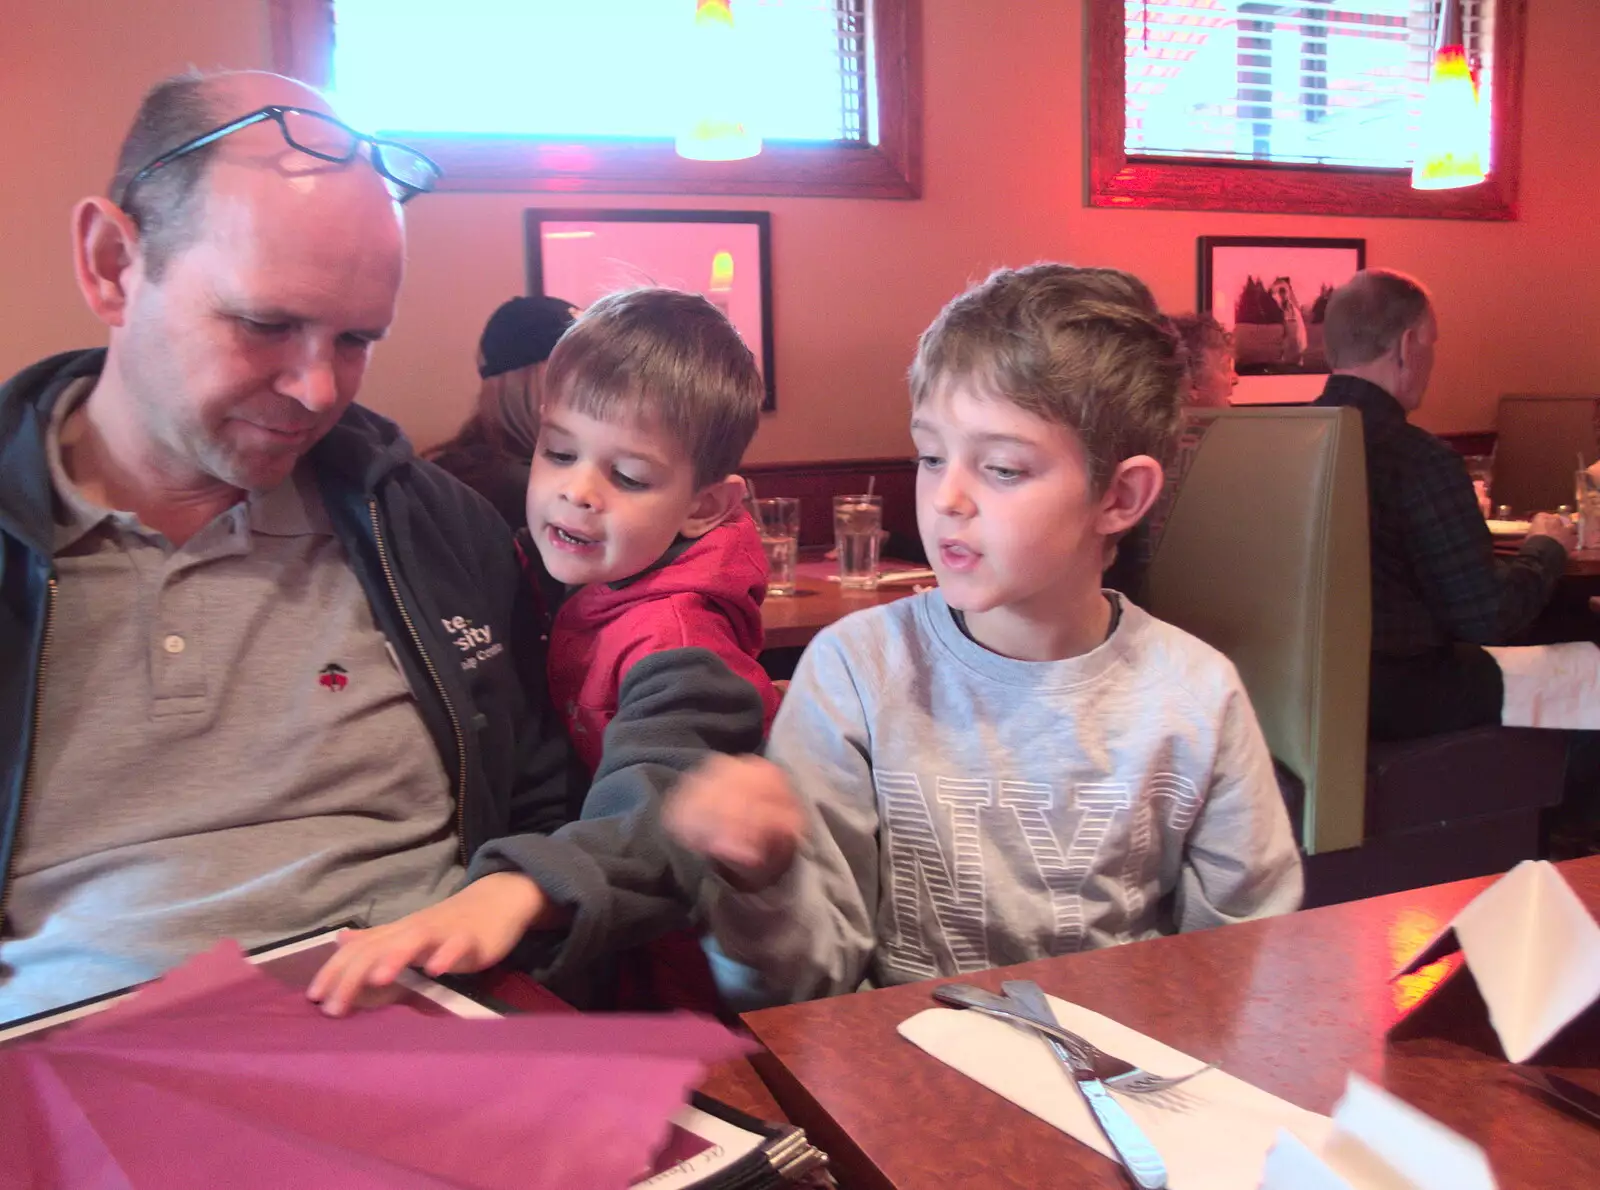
1115, 1072
1140, 1158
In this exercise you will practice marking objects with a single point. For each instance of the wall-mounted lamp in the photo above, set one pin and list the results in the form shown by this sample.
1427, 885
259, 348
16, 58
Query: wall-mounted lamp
715, 130
1450, 141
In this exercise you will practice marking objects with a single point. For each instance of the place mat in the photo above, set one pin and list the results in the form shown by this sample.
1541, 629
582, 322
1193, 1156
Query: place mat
1213, 1132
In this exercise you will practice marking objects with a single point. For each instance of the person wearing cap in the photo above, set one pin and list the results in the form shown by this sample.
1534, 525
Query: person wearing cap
492, 451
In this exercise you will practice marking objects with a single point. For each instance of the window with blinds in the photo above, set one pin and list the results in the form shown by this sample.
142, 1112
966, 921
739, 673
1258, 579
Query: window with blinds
595, 69
1336, 84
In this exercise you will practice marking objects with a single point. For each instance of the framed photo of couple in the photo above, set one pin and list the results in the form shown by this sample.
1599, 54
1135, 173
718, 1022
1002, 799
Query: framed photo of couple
1270, 294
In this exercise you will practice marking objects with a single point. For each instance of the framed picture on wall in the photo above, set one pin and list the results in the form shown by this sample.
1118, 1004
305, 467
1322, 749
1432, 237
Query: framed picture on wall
582, 255
1269, 293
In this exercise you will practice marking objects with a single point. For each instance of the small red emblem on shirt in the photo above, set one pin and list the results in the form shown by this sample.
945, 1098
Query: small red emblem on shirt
334, 676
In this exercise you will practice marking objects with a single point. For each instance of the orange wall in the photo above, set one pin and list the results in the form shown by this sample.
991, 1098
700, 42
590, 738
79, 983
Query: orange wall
855, 280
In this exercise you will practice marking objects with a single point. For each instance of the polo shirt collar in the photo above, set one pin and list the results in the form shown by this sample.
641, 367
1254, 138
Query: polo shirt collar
292, 509
75, 515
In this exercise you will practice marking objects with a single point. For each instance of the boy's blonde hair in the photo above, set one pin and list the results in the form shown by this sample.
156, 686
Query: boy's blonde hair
670, 358
1085, 348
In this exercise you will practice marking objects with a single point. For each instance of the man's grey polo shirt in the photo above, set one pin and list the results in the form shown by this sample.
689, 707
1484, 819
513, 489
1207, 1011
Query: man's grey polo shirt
227, 749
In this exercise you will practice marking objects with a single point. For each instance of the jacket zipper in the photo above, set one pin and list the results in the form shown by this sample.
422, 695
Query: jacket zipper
438, 683
33, 744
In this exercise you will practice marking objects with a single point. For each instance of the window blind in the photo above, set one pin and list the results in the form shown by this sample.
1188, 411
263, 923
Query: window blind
593, 69
1337, 84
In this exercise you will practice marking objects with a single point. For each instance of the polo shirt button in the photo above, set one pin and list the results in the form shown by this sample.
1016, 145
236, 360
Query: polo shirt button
173, 644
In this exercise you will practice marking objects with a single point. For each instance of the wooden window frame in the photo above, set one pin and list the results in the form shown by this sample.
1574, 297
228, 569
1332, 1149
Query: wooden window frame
302, 45
1175, 184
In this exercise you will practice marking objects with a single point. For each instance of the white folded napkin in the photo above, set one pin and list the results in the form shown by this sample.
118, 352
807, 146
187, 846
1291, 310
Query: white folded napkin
1379, 1142
1534, 952
1213, 1132
1550, 686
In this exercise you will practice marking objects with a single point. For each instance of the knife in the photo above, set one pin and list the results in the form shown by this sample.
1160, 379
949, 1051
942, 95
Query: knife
1132, 1146
1578, 1098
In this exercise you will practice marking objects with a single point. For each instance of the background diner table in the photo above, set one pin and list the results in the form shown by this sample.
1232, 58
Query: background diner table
1567, 616
1580, 563
790, 621
1291, 1004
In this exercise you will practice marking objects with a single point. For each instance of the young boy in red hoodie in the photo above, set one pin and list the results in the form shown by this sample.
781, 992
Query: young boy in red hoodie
650, 400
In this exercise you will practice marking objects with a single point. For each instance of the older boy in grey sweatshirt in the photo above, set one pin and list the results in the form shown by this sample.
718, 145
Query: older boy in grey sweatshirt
1018, 764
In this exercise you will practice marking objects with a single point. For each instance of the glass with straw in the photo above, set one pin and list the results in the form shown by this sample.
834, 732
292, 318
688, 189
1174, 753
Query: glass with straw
857, 531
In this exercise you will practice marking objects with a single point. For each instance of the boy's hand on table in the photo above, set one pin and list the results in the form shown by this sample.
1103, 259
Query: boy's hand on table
470, 931
740, 812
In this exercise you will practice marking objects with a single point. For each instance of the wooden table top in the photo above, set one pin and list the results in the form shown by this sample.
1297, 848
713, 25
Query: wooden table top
1290, 1004
734, 1082
1580, 563
1583, 564
737, 1084
790, 621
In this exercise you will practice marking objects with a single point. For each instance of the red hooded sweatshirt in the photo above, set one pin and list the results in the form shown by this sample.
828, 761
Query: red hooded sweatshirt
704, 593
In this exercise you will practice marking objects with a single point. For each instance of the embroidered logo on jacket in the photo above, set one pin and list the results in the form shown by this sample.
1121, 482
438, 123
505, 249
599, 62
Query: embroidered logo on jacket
474, 644
333, 676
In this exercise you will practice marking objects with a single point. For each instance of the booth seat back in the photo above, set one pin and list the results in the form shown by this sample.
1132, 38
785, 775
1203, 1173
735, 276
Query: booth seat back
1264, 555
1537, 443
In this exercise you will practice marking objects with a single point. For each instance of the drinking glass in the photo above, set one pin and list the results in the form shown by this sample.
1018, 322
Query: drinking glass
857, 521
1587, 490
778, 519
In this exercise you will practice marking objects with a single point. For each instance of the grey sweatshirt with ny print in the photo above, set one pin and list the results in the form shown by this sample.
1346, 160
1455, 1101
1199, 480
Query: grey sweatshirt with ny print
970, 811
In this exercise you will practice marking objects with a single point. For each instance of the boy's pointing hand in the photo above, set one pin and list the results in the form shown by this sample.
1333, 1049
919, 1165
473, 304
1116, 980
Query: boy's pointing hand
740, 812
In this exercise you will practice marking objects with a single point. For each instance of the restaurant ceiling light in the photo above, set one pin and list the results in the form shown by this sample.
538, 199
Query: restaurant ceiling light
1450, 141
716, 68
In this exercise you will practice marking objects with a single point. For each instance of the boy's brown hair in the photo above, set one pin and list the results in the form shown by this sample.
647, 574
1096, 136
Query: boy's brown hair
1086, 348
670, 358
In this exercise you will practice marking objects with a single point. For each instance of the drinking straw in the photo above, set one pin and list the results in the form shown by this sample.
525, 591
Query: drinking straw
871, 479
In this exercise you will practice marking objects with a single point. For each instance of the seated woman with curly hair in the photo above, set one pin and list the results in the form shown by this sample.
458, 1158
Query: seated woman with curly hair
1212, 377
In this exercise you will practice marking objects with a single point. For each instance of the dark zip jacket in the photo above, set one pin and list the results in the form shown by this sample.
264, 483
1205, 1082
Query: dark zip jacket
440, 571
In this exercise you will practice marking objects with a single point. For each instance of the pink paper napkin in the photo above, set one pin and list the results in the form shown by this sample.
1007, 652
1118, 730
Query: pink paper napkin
219, 1075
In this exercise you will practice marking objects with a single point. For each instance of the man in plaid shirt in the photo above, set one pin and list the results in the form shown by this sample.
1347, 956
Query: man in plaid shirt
1438, 592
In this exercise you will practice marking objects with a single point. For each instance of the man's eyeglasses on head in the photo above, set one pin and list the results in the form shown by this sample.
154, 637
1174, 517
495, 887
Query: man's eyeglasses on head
319, 135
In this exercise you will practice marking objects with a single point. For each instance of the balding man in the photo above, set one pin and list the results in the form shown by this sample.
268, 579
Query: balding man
1439, 594
262, 669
